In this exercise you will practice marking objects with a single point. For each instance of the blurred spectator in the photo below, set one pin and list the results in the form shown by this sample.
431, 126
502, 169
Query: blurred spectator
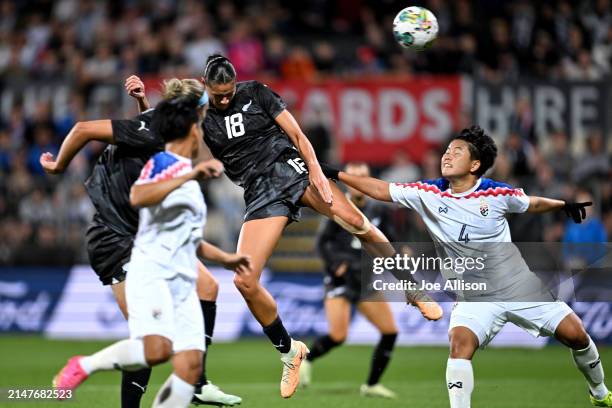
521, 120
103, 65
431, 165
324, 57
276, 53
401, 169
45, 250
560, 157
36, 207
521, 154
316, 127
201, 46
43, 142
298, 65
590, 231
5, 152
595, 162
245, 50
582, 68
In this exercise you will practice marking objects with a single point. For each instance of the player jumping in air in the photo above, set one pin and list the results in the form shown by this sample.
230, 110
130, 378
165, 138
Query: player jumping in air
163, 311
344, 288
474, 324
263, 149
110, 236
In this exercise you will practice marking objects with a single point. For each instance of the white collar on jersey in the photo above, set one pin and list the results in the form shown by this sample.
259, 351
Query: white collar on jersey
471, 190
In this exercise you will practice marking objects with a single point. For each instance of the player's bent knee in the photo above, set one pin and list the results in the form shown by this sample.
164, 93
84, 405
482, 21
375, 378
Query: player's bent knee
246, 287
463, 344
579, 339
356, 224
158, 350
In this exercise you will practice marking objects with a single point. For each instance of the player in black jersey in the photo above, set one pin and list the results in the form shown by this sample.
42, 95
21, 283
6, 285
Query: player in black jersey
115, 223
264, 151
344, 288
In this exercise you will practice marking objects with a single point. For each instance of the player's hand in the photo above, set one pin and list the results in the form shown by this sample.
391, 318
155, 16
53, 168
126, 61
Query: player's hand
321, 183
576, 211
208, 169
135, 87
238, 263
49, 165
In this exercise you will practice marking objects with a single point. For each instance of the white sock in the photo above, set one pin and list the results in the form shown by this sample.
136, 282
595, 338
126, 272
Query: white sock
588, 361
460, 382
124, 355
175, 393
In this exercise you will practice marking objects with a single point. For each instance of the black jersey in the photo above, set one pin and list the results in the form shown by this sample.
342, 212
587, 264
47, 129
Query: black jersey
245, 136
336, 245
118, 168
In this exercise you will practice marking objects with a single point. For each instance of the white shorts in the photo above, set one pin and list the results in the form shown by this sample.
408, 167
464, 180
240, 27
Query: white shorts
164, 307
486, 319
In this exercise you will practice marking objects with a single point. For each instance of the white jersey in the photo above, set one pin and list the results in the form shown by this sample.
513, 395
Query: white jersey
478, 214
473, 224
169, 232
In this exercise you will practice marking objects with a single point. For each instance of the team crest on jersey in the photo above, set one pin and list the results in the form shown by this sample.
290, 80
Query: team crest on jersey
484, 207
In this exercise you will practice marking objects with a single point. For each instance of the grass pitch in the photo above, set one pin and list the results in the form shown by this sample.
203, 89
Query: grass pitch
505, 378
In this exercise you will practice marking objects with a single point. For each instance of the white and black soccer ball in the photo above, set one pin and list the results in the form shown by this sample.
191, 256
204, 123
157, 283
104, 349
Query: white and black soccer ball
415, 27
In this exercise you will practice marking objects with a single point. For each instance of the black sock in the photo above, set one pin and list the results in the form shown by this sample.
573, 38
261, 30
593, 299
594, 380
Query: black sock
381, 357
278, 335
209, 311
321, 346
203, 378
133, 385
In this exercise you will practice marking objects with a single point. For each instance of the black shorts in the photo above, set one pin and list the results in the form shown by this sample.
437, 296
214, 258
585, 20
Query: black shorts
108, 251
277, 192
348, 286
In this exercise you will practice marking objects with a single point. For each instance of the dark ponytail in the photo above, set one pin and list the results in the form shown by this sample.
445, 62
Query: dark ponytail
218, 70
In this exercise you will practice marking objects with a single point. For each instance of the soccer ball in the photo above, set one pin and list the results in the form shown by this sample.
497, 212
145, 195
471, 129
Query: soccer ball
415, 28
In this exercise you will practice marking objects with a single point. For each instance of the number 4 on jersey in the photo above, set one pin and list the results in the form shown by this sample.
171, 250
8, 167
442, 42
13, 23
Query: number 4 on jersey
234, 125
463, 235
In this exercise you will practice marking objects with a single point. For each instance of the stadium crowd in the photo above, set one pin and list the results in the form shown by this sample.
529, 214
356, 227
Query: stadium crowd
42, 218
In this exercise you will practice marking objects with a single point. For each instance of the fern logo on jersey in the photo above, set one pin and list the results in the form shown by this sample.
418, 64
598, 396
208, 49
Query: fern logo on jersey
484, 207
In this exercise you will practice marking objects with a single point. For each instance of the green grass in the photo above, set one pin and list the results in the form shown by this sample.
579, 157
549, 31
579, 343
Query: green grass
505, 378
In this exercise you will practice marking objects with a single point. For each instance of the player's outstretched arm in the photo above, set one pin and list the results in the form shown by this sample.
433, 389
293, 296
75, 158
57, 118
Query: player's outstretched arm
576, 211
373, 187
80, 134
136, 89
148, 194
236, 262
288, 123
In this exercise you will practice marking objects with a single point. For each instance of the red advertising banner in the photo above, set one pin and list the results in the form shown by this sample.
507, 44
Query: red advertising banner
374, 119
